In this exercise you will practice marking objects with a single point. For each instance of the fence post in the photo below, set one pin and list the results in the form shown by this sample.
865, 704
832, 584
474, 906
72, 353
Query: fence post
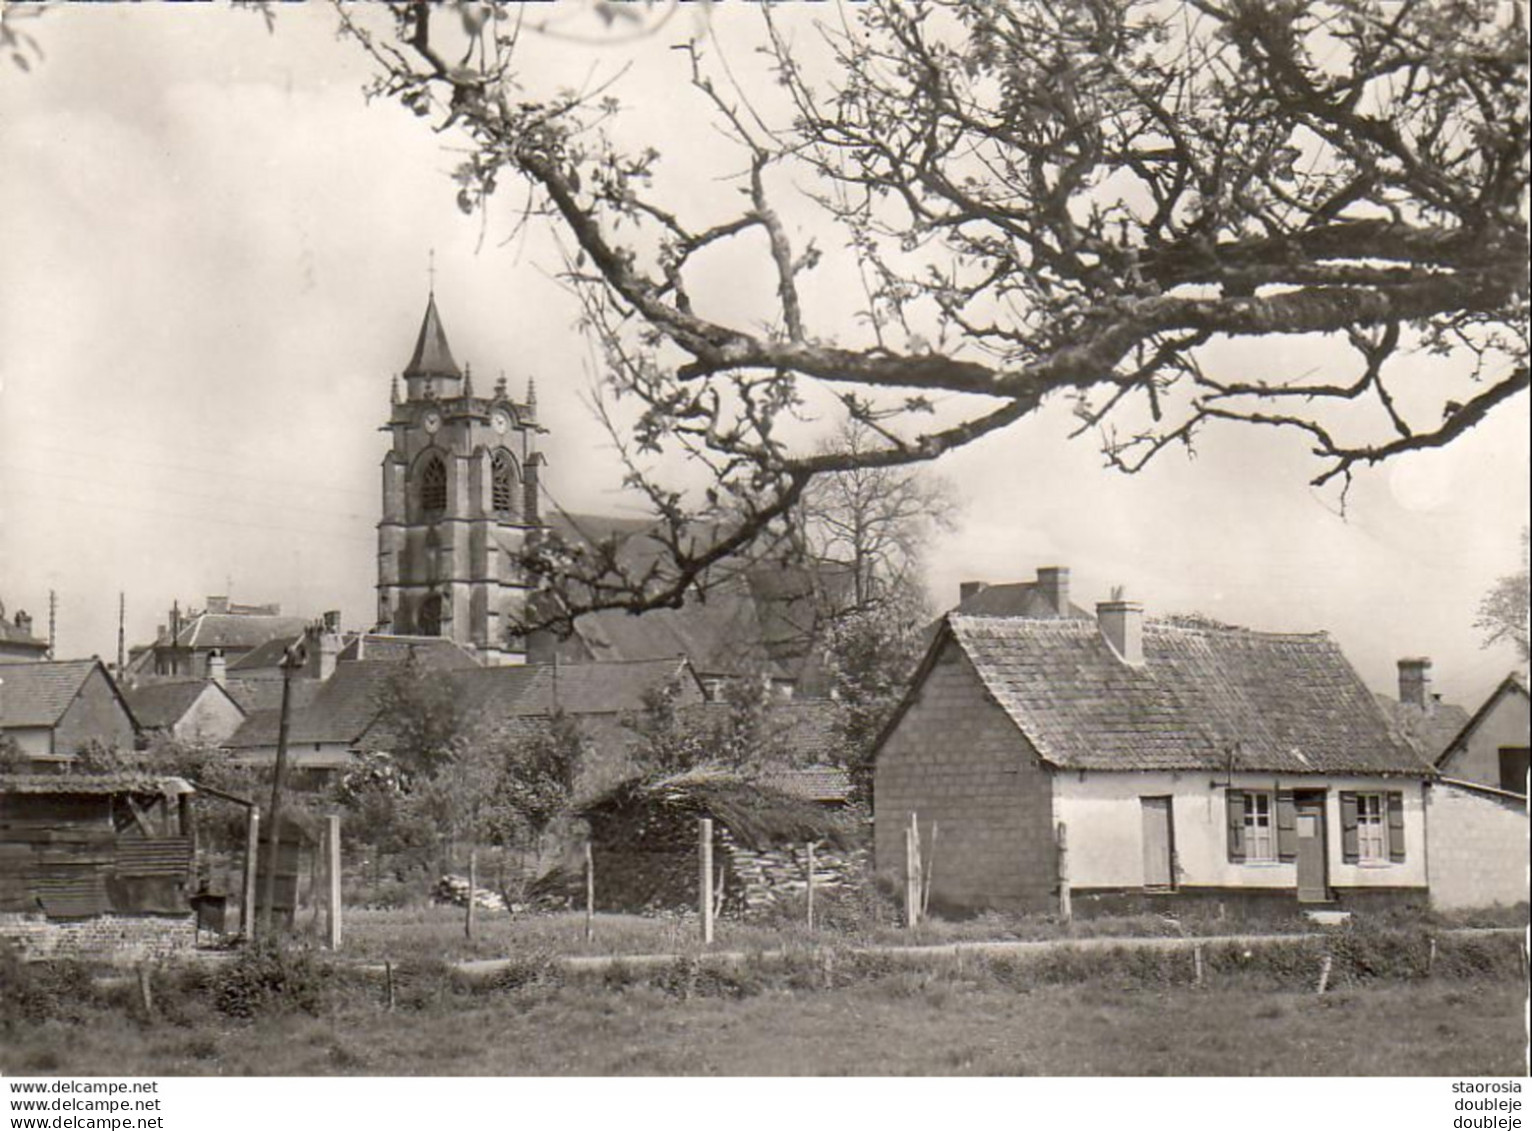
332, 867
1066, 905
1197, 962
912, 872
810, 849
705, 878
252, 857
1324, 974
590, 894
473, 882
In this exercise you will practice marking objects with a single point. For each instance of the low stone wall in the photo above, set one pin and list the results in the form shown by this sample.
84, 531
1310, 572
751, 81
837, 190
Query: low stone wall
114, 938
764, 877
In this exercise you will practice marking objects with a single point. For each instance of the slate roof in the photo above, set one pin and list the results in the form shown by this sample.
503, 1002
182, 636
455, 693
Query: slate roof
36, 693
1014, 599
266, 655
1284, 703
236, 630
265, 694
1431, 731
341, 709
432, 356
163, 705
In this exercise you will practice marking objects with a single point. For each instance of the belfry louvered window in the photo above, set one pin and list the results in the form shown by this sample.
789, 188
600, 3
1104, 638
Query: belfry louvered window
433, 486
502, 484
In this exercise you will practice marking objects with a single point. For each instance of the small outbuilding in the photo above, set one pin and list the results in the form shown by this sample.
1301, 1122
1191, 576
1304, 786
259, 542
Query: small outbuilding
98, 864
644, 842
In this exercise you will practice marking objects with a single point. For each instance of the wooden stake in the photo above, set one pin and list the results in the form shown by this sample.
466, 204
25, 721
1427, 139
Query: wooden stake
705, 878
809, 849
473, 882
590, 894
912, 872
928, 866
145, 993
1197, 962
1431, 957
332, 868
1324, 974
388, 977
252, 854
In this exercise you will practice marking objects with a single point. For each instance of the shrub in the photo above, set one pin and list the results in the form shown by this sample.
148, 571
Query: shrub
267, 978
60, 990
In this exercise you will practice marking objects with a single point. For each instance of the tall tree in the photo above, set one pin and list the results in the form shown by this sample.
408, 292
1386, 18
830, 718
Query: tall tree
1503, 611
1042, 201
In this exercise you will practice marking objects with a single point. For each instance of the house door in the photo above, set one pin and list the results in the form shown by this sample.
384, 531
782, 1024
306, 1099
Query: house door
1313, 885
1158, 845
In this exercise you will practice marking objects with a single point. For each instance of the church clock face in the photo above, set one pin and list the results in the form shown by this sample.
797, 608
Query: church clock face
499, 422
431, 421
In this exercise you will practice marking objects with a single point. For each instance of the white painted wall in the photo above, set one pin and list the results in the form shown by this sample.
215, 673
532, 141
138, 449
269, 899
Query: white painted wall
1104, 825
1478, 847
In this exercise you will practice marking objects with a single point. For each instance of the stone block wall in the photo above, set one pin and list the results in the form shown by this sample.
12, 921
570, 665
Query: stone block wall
980, 794
1477, 847
112, 938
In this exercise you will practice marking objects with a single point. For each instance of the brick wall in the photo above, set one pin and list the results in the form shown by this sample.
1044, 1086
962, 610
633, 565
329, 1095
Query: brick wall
117, 938
957, 761
1477, 847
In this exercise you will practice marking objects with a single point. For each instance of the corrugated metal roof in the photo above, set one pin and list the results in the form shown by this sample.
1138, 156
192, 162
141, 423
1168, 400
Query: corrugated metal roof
1202, 699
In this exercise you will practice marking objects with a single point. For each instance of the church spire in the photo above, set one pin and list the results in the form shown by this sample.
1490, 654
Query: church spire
432, 356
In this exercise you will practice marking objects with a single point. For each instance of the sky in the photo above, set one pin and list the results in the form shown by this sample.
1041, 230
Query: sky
215, 257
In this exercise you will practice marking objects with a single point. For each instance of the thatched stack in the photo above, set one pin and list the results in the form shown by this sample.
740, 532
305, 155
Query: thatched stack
644, 841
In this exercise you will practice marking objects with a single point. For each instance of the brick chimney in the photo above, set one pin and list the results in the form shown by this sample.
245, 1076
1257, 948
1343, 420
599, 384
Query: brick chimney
323, 648
24, 622
1053, 584
1122, 626
217, 604
217, 668
969, 589
1415, 682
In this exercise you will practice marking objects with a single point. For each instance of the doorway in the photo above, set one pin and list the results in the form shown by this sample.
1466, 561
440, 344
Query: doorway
1159, 844
1313, 866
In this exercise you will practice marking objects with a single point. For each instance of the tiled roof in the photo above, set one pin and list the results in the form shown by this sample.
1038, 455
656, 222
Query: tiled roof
342, 707
266, 655
163, 705
395, 649
37, 693
1429, 731
265, 694
1202, 699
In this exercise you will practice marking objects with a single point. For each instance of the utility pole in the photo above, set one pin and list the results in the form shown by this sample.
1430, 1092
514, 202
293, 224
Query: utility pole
291, 662
122, 612
53, 614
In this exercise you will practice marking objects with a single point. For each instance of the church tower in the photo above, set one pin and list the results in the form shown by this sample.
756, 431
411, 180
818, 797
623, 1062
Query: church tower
459, 503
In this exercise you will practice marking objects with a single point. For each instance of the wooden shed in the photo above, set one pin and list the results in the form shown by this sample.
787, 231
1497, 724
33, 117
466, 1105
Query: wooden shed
644, 842
78, 848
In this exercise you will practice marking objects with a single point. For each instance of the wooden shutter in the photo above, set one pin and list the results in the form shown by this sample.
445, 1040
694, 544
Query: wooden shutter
1348, 837
1396, 826
1236, 807
1287, 826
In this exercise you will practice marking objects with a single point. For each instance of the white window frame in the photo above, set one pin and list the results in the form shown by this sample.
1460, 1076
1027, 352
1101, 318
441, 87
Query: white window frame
1372, 828
1260, 838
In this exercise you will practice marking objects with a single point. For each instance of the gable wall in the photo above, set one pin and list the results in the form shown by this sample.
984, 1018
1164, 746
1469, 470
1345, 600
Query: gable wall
96, 713
956, 759
211, 719
1508, 723
1479, 848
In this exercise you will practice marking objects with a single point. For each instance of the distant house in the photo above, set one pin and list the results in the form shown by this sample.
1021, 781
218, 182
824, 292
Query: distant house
196, 711
16, 639
186, 642
96, 864
1044, 599
1491, 748
53, 708
1147, 764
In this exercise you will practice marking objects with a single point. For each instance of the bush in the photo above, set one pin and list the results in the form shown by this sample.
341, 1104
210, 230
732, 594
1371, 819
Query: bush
60, 990
267, 978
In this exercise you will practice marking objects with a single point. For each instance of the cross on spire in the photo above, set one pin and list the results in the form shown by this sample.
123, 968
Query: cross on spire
431, 270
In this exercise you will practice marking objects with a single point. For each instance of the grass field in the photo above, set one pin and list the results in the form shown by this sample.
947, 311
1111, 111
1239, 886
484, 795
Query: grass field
893, 1026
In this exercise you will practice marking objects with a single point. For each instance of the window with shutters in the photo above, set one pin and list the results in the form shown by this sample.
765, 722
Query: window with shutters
1371, 828
502, 484
433, 486
1260, 837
